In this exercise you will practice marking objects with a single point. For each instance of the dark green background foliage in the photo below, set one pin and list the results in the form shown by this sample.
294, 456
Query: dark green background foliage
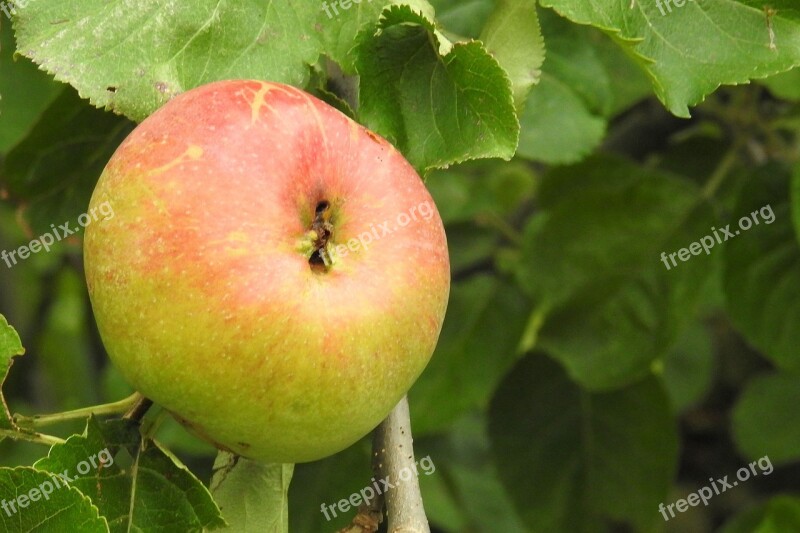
578, 382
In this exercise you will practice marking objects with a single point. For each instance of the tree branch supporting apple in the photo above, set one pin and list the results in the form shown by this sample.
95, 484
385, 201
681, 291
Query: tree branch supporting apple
393, 451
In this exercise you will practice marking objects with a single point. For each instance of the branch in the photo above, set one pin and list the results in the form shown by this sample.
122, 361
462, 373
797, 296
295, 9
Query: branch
393, 451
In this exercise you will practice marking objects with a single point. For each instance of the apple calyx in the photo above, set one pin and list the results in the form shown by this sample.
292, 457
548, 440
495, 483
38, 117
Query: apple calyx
319, 239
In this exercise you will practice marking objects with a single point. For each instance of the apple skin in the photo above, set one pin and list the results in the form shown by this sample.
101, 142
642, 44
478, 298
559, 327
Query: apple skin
203, 290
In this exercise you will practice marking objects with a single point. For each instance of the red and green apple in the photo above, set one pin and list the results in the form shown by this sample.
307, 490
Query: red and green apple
275, 275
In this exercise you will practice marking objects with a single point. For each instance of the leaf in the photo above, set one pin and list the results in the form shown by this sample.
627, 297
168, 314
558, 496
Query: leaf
63, 350
327, 482
689, 367
462, 491
794, 196
38, 501
765, 419
154, 493
98, 46
54, 170
438, 103
10, 347
478, 344
592, 260
556, 126
572, 460
564, 118
778, 515
252, 496
471, 247
463, 17
341, 26
482, 497
513, 37
476, 190
627, 82
762, 268
785, 85
25, 92
689, 51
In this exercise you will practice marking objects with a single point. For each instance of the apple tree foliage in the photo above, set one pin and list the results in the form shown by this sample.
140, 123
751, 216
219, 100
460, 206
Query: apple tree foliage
578, 382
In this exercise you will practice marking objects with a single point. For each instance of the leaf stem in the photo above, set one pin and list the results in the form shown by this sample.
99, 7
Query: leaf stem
495, 221
32, 436
720, 173
114, 408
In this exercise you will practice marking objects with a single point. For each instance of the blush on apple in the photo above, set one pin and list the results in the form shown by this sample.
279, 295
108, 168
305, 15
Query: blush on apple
222, 289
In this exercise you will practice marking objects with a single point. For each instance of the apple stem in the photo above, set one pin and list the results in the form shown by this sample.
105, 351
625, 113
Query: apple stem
393, 451
96, 410
139, 408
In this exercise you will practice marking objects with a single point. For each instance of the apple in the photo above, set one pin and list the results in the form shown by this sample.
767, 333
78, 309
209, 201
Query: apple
274, 274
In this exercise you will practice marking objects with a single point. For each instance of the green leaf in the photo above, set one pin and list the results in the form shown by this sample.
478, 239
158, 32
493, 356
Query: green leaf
564, 117
471, 247
480, 189
762, 268
462, 490
340, 26
438, 103
63, 351
482, 497
794, 196
556, 126
477, 346
593, 258
691, 50
576, 461
464, 18
10, 347
778, 515
512, 35
254, 497
99, 47
765, 419
153, 491
25, 92
785, 85
38, 501
689, 367
54, 170
627, 82
327, 482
